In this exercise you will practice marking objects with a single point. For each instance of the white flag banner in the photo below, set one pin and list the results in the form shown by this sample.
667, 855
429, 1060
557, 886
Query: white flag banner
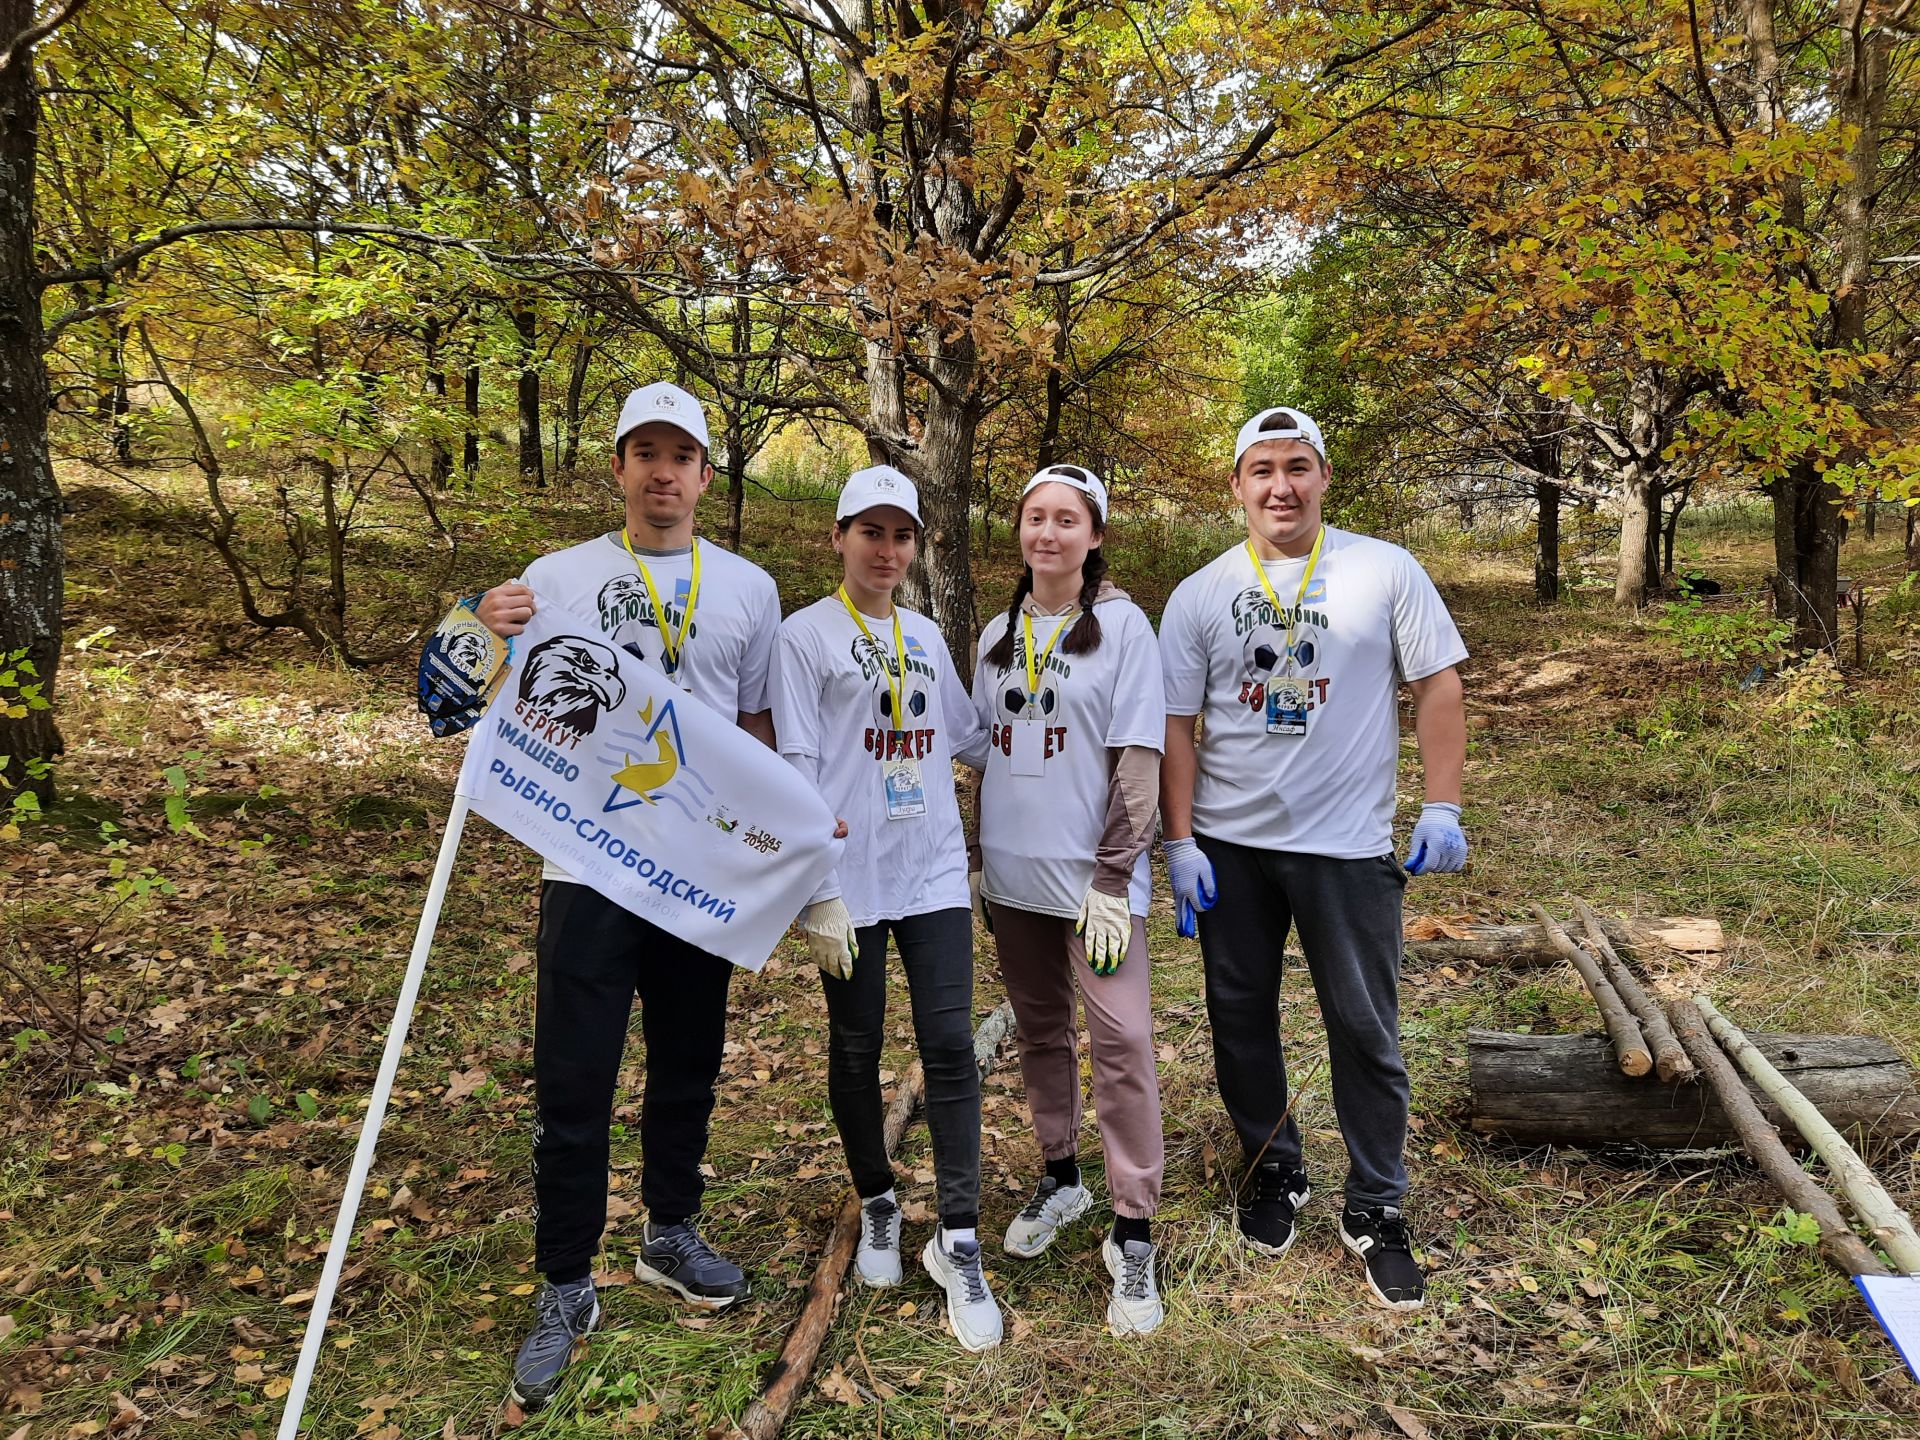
602, 765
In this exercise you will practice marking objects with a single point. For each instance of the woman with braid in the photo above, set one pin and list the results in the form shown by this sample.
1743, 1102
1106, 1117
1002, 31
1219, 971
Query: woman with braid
1068, 683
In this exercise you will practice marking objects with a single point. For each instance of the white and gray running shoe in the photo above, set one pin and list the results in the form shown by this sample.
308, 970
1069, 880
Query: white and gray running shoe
562, 1317
971, 1311
1135, 1308
675, 1258
877, 1262
1053, 1207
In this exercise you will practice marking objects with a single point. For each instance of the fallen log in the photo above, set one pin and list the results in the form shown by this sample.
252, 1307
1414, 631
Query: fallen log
1628, 1043
1525, 947
1568, 1090
1669, 1057
1887, 1221
788, 1378
1760, 1136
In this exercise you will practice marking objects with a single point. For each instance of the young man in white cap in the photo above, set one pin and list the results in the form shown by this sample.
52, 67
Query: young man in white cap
1293, 645
706, 619
869, 709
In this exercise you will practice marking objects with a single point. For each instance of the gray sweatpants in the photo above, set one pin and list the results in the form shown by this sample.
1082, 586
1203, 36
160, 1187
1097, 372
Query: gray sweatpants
1348, 914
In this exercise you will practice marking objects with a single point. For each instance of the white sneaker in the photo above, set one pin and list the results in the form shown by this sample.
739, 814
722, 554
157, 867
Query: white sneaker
1135, 1308
1053, 1207
971, 1311
877, 1261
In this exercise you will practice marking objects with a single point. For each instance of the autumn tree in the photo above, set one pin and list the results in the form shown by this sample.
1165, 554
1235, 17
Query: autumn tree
914, 181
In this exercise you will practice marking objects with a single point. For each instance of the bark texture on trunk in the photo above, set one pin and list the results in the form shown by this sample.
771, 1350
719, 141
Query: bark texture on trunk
527, 391
1546, 555
32, 561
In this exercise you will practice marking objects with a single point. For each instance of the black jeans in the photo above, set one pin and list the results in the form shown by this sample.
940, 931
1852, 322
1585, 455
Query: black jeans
936, 952
1348, 913
594, 958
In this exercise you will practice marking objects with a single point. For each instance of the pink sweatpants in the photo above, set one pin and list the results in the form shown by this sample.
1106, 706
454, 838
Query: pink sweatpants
1042, 962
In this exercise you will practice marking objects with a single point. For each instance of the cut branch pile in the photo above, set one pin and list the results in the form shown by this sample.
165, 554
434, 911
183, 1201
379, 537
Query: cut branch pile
1562, 1090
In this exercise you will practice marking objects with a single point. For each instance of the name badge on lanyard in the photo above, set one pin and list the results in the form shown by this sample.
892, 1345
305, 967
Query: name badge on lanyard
1286, 695
1028, 752
1286, 706
905, 793
906, 796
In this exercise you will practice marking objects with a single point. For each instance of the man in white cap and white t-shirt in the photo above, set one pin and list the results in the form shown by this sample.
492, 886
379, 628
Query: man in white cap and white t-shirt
706, 619
1293, 645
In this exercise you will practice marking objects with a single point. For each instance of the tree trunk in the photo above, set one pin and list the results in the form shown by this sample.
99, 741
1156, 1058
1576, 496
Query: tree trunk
737, 424
532, 461
1671, 528
470, 447
115, 402
1637, 520
576, 387
1806, 541
440, 466
32, 559
1568, 1090
946, 501
1546, 555
1913, 538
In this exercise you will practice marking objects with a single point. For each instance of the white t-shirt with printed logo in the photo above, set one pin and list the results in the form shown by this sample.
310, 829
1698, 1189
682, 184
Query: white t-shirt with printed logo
832, 711
1371, 619
1039, 834
728, 653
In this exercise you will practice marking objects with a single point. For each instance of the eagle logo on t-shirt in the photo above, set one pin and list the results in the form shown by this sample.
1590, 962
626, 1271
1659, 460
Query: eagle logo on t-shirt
626, 614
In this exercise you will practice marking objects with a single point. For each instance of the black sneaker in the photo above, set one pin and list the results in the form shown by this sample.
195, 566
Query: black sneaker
561, 1319
1378, 1235
1269, 1197
675, 1258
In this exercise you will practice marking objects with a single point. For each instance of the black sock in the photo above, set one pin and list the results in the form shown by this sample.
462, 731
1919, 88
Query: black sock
570, 1275
1126, 1228
662, 1222
1066, 1171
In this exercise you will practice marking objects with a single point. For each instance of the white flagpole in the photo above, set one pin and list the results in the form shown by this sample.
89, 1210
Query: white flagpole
370, 1127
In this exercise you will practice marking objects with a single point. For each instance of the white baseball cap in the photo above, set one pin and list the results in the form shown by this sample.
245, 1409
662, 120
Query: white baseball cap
874, 486
661, 401
1278, 424
1080, 478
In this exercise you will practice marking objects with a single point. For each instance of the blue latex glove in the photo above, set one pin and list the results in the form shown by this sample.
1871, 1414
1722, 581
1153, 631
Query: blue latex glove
1194, 888
1438, 843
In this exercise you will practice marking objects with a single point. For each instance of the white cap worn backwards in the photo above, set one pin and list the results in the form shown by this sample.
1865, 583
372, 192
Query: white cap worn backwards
661, 401
1081, 479
877, 485
1278, 424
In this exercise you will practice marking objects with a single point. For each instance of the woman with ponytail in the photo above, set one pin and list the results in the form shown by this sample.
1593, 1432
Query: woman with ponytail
1068, 684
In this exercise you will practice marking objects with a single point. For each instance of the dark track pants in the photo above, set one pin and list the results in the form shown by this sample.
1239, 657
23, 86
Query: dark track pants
936, 954
594, 958
1348, 914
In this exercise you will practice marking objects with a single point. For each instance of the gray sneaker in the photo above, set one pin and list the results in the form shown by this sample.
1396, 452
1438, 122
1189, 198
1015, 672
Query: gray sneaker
1053, 1207
1135, 1308
563, 1314
971, 1311
675, 1258
877, 1262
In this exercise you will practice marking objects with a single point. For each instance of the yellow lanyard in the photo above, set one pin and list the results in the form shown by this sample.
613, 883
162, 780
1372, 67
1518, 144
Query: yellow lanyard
1035, 666
895, 680
1313, 560
669, 643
